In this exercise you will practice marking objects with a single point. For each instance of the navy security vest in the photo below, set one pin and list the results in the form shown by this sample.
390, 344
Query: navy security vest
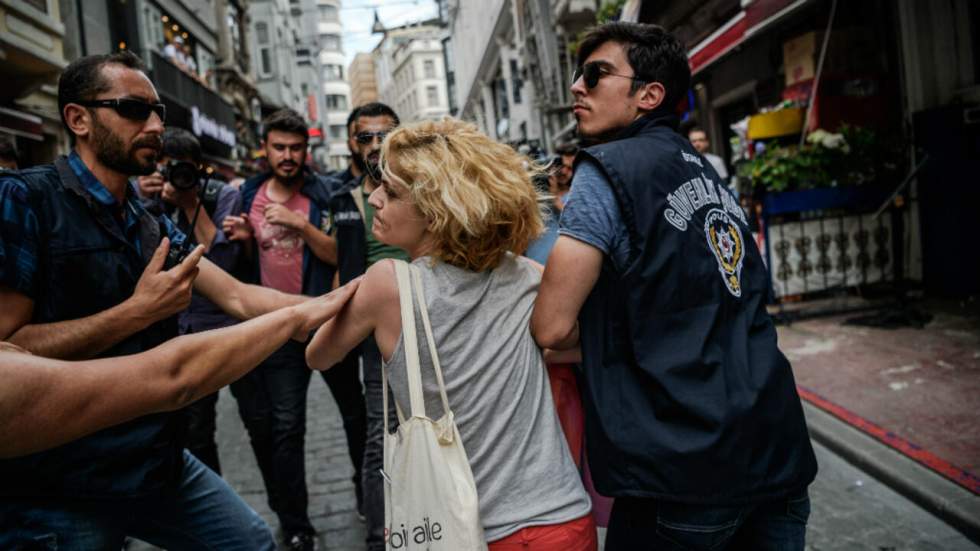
687, 397
86, 266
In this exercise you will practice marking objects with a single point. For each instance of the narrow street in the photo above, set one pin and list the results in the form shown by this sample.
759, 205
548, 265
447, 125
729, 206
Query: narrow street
851, 510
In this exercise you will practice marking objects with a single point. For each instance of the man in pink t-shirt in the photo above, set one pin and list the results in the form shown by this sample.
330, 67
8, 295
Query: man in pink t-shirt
287, 222
280, 247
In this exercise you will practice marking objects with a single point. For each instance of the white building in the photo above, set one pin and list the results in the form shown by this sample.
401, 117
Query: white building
510, 65
487, 49
274, 40
335, 88
305, 15
410, 71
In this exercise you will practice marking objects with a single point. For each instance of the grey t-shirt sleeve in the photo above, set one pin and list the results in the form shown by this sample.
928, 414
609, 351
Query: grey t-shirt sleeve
591, 213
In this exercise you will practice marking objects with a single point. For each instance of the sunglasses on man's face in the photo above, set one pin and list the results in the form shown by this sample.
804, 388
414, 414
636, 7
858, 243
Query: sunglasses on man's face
132, 109
365, 138
593, 71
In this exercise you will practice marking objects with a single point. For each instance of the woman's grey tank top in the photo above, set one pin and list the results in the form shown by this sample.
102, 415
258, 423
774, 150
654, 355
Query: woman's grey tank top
499, 391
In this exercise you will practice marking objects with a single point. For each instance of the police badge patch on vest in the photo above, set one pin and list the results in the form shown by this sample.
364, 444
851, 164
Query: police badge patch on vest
725, 240
720, 226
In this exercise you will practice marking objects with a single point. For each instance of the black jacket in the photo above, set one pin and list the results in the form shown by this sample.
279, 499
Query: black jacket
87, 266
687, 397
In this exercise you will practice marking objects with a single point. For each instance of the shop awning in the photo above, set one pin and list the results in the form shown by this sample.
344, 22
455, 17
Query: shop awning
754, 19
19, 123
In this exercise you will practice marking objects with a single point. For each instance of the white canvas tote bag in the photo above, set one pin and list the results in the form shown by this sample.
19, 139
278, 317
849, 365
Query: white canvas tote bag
430, 496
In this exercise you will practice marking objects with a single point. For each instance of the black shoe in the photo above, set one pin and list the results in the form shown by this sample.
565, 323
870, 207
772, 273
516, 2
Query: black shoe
301, 542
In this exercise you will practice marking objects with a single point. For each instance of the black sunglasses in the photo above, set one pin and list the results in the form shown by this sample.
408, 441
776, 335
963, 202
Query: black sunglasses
365, 138
132, 109
593, 71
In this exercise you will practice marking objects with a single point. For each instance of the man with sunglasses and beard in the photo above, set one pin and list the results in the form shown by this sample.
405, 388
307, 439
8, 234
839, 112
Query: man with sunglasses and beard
693, 422
367, 126
295, 230
85, 272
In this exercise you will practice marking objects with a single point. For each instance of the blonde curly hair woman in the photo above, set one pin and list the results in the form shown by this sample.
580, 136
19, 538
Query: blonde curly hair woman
464, 208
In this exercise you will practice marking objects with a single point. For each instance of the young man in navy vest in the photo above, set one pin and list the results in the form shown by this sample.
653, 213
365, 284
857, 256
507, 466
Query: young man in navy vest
693, 422
82, 276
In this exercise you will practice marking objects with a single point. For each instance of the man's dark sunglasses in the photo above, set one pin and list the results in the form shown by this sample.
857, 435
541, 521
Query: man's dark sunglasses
132, 109
593, 71
365, 138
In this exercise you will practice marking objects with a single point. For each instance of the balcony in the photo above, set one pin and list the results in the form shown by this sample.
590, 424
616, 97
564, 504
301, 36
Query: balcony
194, 106
30, 48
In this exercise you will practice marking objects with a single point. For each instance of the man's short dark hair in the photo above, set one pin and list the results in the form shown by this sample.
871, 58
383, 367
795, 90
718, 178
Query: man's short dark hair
83, 79
181, 144
373, 109
285, 120
8, 151
654, 55
694, 129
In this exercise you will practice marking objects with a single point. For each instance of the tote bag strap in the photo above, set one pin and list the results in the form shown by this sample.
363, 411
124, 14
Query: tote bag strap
403, 292
410, 340
420, 295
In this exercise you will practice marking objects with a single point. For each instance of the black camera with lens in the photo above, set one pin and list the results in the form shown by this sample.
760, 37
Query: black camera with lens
183, 175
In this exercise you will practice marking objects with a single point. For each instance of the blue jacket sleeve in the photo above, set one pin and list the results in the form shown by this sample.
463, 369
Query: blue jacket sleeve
19, 238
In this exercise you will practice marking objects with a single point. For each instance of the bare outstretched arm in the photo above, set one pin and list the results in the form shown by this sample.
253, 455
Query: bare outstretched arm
159, 293
45, 402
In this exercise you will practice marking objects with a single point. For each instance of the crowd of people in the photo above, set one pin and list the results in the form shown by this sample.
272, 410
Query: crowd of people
598, 325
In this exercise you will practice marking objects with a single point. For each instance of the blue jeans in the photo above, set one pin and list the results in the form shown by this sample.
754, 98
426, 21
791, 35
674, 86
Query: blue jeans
203, 513
656, 525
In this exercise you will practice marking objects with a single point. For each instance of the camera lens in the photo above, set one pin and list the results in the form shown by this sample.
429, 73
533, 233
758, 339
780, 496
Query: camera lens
183, 175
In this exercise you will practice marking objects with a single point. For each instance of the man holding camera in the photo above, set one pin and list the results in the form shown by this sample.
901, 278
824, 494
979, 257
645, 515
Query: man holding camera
84, 274
196, 205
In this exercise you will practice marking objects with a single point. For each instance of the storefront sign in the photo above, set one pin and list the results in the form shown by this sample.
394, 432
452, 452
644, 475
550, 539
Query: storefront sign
203, 125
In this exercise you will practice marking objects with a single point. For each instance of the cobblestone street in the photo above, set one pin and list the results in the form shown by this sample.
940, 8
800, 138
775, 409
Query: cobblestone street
850, 509
328, 469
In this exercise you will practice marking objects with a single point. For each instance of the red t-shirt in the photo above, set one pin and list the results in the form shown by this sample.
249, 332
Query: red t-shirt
280, 248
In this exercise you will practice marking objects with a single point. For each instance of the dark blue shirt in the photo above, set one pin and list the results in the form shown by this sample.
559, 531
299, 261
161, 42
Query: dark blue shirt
20, 235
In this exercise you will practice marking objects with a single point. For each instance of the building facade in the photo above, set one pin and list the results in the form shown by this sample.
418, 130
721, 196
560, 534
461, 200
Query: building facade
551, 29
308, 47
235, 79
31, 57
275, 37
179, 41
363, 84
487, 48
410, 69
335, 88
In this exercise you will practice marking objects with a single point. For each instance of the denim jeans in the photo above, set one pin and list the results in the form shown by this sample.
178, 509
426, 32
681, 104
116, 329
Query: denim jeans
272, 404
637, 523
203, 513
374, 498
344, 383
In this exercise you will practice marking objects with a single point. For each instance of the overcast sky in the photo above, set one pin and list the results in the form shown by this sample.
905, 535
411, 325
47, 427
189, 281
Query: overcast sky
357, 17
